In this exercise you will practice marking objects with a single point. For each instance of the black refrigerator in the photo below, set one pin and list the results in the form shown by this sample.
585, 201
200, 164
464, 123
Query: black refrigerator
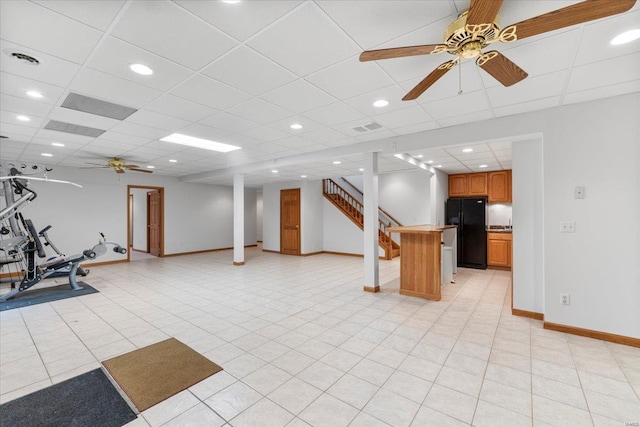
469, 214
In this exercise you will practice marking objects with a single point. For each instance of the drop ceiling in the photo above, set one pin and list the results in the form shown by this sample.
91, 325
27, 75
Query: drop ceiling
243, 73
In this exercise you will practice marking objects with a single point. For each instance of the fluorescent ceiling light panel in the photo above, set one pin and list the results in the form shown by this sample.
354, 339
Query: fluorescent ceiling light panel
205, 144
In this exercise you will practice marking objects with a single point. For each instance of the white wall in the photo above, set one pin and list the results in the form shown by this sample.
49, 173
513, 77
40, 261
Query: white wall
311, 217
139, 218
259, 216
197, 216
439, 195
528, 226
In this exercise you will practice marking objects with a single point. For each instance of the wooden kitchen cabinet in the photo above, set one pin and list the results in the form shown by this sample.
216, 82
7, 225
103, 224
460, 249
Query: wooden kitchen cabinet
499, 184
458, 185
499, 250
477, 184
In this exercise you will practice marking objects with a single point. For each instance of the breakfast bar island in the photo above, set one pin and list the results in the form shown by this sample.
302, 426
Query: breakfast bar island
421, 258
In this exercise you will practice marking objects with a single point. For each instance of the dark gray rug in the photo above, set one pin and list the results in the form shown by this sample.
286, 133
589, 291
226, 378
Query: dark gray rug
38, 296
88, 400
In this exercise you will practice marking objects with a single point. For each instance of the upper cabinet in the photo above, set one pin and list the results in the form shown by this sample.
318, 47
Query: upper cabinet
496, 185
500, 186
458, 185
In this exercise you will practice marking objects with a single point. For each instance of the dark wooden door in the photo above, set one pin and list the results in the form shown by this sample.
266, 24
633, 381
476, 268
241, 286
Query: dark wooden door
290, 221
153, 214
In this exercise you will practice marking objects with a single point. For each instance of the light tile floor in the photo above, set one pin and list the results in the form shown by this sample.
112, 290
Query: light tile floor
301, 344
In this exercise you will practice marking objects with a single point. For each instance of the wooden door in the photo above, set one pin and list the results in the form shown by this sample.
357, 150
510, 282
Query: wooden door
153, 222
290, 221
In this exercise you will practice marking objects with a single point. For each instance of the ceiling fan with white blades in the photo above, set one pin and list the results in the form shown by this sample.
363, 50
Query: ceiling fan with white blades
477, 28
120, 166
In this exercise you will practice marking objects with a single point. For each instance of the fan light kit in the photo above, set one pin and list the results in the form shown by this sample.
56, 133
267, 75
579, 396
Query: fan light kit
626, 37
120, 166
34, 94
296, 126
141, 69
57, 144
478, 27
192, 141
381, 103
23, 118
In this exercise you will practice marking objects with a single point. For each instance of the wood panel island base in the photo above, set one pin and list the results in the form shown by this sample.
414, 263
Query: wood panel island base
420, 258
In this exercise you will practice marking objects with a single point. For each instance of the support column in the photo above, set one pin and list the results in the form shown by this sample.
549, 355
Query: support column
238, 219
370, 187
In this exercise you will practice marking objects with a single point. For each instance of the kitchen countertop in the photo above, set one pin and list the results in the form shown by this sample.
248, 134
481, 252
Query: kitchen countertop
425, 228
499, 230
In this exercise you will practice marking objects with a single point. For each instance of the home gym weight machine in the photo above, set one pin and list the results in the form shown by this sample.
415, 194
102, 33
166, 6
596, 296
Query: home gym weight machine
20, 243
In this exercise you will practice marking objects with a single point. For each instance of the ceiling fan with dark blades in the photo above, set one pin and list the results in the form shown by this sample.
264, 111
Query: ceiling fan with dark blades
120, 166
477, 28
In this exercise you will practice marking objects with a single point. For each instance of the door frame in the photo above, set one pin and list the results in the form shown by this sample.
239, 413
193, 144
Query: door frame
299, 220
161, 201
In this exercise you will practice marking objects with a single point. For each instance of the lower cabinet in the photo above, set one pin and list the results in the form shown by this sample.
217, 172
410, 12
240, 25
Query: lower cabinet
499, 250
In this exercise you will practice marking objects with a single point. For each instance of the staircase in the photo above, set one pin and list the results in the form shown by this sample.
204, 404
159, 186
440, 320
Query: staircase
354, 210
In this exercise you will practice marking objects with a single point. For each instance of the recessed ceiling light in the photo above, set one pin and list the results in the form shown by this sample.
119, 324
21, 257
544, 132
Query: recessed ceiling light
34, 94
57, 144
381, 103
274, 171
430, 161
467, 150
482, 166
337, 162
23, 118
231, 1
46, 154
626, 37
303, 176
141, 69
296, 126
192, 141
361, 169
419, 156
173, 160
150, 167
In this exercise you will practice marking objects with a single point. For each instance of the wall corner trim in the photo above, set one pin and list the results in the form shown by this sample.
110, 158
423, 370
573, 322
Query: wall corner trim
605, 336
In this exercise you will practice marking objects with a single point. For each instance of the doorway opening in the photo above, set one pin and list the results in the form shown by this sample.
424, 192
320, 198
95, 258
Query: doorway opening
145, 222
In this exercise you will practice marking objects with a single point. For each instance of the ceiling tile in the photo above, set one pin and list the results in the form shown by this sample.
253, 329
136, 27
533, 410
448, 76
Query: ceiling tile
602, 92
180, 108
229, 122
371, 23
98, 16
156, 120
84, 119
290, 42
406, 117
467, 118
205, 132
420, 127
524, 107
139, 130
73, 41
350, 78
114, 56
209, 92
333, 114
529, 89
393, 94
238, 69
10, 129
266, 133
63, 136
28, 107
51, 70
457, 105
15, 85
106, 87
308, 125
324, 135
298, 97
239, 20
595, 44
608, 72
184, 38
122, 137
259, 110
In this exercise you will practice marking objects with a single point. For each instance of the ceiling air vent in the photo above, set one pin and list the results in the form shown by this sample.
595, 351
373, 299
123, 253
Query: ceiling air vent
367, 127
22, 57
85, 104
75, 129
